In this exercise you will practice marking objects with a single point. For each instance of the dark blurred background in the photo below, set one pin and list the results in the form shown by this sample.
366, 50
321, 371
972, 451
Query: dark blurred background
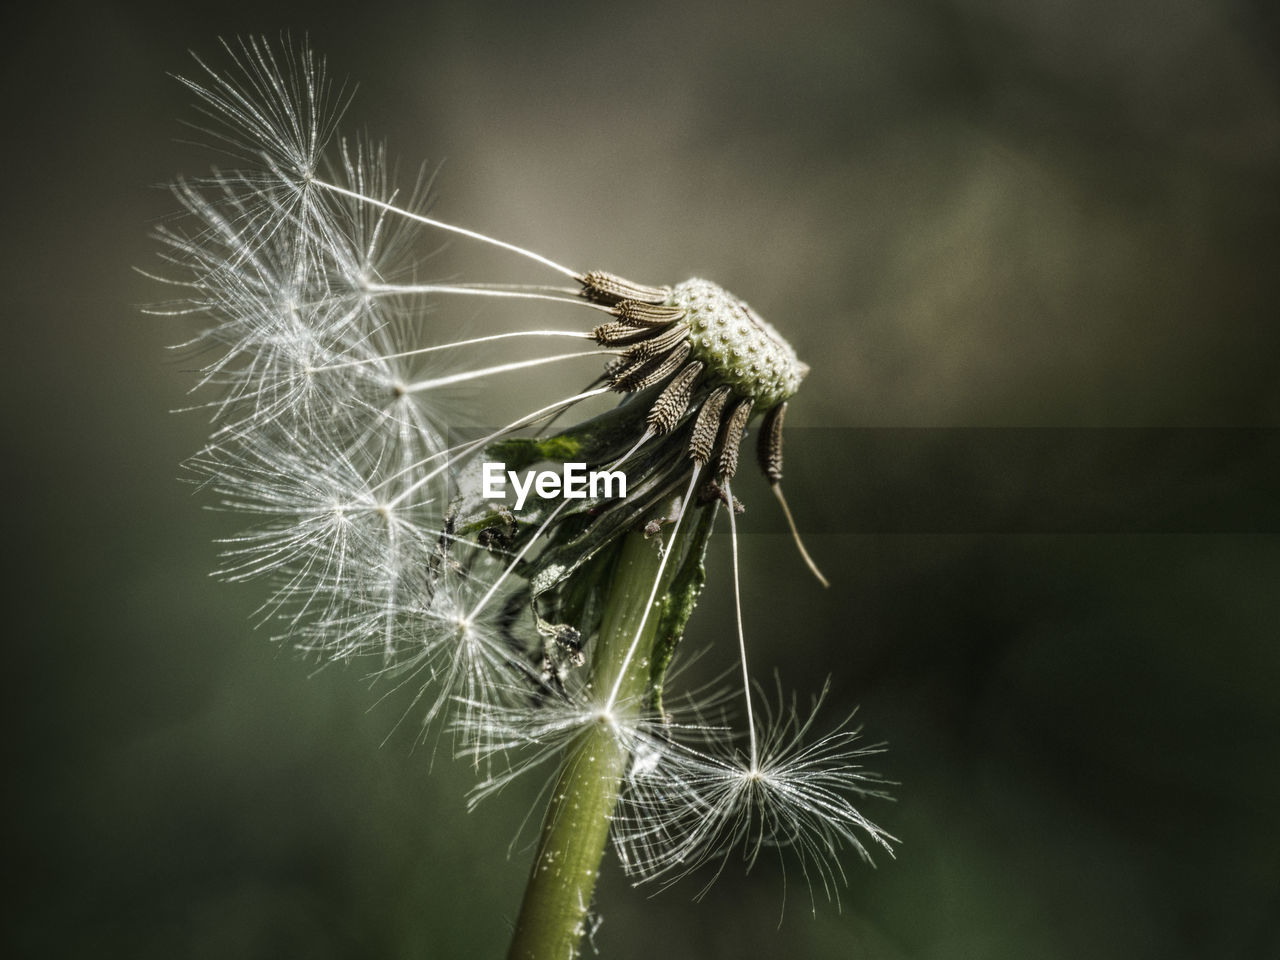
963, 213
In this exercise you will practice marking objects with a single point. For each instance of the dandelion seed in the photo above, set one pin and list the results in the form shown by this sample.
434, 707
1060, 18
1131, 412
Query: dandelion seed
688, 805
450, 657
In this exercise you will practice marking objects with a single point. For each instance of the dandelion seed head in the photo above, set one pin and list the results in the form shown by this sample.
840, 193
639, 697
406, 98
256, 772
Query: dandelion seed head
742, 348
326, 367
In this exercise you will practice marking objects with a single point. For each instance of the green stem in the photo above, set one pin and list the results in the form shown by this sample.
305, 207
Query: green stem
553, 915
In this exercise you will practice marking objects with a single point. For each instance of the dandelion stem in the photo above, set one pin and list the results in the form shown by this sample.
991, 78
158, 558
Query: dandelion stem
553, 916
637, 640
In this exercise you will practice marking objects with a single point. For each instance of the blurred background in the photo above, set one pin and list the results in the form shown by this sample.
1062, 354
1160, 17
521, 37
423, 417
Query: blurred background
1029, 249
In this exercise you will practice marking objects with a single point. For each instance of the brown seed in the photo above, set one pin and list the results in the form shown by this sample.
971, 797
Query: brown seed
636, 374
703, 440
734, 425
674, 400
640, 314
602, 287
658, 343
769, 444
616, 334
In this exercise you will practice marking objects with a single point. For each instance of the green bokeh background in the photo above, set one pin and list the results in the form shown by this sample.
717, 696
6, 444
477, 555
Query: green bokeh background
970, 213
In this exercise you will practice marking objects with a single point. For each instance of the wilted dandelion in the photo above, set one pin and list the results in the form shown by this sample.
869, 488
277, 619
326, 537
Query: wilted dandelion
544, 632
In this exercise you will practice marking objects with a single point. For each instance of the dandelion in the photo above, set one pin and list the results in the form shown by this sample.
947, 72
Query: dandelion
538, 636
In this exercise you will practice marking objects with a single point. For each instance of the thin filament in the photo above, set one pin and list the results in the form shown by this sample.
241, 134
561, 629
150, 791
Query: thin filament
742, 643
795, 535
481, 290
574, 334
501, 368
441, 225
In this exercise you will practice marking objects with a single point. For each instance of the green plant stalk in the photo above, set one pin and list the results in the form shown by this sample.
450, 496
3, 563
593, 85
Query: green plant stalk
562, 882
